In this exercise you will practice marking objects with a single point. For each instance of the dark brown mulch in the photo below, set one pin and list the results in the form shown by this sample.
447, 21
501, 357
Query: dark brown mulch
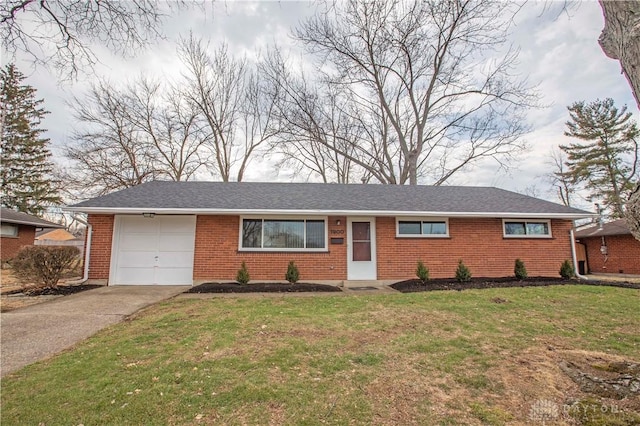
62, 290
261, 288
415, 285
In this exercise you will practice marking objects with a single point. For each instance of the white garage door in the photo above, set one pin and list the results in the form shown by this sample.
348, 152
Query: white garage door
148, 251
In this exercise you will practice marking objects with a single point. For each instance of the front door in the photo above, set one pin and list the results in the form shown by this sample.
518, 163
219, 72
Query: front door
361, 249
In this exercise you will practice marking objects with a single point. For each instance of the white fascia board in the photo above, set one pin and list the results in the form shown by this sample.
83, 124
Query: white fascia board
29, 223
379, 213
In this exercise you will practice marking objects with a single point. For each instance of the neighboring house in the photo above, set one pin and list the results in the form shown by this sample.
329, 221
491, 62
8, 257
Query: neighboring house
59, 237
610, 248
190, 232
19, 230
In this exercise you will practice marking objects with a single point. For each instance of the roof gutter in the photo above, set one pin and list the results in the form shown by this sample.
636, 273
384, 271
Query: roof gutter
276, 212
29, 223
87, 251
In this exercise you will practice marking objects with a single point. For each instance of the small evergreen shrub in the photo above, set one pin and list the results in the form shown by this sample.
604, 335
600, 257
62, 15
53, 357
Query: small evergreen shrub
463, 274
422, 272
43, 265
292, 274
520, 270
566, 270
243, 274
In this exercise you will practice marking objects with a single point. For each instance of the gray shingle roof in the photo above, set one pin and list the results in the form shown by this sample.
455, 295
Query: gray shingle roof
323, 198
616, 227
12, 216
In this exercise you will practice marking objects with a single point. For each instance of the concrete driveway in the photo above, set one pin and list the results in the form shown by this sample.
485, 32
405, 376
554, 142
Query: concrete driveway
37, 332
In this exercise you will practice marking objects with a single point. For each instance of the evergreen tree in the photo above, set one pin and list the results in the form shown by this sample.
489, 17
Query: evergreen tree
26, 166
607, 162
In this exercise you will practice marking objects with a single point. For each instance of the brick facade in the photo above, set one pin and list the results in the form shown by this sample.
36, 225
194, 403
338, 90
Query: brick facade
101, 238
217, 255
623, 254
9, 246
478, 242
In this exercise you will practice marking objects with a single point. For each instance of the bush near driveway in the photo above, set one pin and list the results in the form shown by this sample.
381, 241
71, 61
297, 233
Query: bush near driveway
43, 265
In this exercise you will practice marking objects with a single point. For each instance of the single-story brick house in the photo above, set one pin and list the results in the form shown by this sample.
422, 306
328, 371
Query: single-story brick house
190, 232
610, 248
19, 230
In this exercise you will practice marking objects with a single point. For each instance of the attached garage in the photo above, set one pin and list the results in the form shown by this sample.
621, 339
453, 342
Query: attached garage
155, 250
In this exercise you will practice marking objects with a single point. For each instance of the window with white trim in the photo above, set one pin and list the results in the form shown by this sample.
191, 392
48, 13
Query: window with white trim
422, 228
527, 228
9, 230
283, 234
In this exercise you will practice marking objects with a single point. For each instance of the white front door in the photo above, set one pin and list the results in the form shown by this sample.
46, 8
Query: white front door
153, 251
361, 248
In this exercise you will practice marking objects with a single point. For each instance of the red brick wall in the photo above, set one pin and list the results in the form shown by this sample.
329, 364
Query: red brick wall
480, 245
217, 255
9, 246
100, 256
623, 254
478, 242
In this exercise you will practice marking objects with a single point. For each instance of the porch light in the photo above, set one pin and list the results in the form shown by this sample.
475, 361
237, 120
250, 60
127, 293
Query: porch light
149, 215
338, 222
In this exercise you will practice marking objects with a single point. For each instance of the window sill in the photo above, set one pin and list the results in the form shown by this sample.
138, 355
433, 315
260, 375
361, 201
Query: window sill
276, 251
423, 237
527, 237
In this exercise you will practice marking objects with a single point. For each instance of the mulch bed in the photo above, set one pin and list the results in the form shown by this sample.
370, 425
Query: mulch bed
232, 287
62, 290
415, 285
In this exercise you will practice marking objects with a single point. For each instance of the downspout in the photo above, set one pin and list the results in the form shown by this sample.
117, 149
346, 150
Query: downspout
574, 257
87, 251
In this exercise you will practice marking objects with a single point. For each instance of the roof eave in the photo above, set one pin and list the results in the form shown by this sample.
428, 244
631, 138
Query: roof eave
291, 212
29, 223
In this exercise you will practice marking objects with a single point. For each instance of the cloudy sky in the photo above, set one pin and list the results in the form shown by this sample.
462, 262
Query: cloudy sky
558, 52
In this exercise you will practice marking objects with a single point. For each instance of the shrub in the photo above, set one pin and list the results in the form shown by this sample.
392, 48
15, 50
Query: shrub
566, 270
292, 274
463, 274
43, 265
243, 274
520, 270
422, 272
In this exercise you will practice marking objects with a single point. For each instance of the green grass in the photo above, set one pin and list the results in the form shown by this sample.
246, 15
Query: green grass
429, 358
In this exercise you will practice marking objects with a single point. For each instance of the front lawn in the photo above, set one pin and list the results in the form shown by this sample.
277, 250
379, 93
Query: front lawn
474, 357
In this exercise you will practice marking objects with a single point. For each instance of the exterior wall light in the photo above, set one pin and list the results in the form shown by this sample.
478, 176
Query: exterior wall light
149, 215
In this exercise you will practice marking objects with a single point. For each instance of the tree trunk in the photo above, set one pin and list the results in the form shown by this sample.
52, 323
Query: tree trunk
620, 38
633, 213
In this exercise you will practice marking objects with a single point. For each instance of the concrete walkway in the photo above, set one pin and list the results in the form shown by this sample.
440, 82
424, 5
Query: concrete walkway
37, 332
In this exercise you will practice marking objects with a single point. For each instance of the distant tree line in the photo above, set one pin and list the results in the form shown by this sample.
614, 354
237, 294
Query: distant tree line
400, 93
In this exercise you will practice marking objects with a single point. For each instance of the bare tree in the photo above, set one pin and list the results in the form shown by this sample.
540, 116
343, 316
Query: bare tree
230, 98
257, 121
620, 39
314, 129
170, 128
59, 33
106, 155
632, 213
562, 183
132, 135
416, 80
